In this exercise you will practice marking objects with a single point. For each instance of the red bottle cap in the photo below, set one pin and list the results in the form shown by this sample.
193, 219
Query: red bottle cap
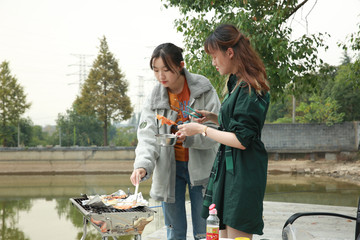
212, 209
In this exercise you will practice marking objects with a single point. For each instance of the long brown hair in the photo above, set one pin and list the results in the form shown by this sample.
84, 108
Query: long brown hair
250, 67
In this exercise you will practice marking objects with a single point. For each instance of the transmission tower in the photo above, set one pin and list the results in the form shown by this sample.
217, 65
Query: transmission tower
143, 83
82, 73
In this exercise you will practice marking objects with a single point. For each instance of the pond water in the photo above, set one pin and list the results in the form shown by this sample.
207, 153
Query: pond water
38, 207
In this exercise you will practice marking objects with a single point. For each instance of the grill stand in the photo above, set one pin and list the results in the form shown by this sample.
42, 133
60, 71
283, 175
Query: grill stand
136, 237
84, 228
119, 222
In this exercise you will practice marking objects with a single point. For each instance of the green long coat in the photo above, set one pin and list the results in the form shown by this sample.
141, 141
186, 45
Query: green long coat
238, 178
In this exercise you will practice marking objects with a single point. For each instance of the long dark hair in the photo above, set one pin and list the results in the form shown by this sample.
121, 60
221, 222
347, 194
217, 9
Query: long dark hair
250, 67
170, 54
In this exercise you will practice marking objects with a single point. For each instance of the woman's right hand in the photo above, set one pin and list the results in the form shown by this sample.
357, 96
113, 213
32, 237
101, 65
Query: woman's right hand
137, 175
207, 116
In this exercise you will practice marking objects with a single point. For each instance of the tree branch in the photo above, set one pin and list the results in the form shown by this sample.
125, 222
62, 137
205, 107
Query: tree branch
295, 9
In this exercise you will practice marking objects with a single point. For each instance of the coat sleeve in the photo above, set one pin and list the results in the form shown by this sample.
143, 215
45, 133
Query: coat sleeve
147, 151
248, 117
210, 102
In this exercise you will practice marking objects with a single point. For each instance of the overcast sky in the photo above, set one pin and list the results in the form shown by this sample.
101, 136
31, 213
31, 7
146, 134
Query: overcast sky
44, 39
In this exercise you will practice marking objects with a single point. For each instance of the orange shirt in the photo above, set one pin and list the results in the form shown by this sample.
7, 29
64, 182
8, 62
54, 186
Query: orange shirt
180, 100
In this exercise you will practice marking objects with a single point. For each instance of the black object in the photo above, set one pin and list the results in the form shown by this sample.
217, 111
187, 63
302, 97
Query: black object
295, 216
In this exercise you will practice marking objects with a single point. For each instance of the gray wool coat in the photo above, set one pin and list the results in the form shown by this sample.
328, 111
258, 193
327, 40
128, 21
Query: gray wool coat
160, 162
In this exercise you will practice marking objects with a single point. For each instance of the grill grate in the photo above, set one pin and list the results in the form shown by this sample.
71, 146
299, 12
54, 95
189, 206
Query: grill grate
100, 210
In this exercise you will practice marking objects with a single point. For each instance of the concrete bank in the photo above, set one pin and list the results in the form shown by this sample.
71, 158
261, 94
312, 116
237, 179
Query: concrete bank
98, 160
74, 160
346, 171
276, 214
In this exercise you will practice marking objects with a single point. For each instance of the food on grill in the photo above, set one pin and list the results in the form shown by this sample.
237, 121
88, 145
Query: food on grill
165, 120
115, 197
128, 203
112, 200
118, 200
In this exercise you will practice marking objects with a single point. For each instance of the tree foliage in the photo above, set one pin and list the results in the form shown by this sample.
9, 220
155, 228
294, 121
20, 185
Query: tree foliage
39, 137
345, 90
77, 129
319, 110
25, 132
334, 98
104, 92
341, 84
125, 136
280, 110
12, 103
287, 61
353, 42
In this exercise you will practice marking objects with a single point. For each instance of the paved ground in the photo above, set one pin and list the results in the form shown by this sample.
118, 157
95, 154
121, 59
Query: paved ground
276, 214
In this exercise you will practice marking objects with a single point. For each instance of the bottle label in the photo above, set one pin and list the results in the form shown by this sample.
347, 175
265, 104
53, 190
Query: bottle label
212, 233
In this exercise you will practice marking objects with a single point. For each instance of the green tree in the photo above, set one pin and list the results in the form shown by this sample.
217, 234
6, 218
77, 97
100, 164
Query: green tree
325, 80
346, 59
280, 110
353, 42
287, 61
39, 137
345, 90
26, 132
104, 92
125, 136
77, 129
12, 102
319, 110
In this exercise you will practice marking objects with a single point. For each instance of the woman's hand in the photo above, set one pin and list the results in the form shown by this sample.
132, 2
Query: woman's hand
180, 137
206, 116
190, 129
136, 175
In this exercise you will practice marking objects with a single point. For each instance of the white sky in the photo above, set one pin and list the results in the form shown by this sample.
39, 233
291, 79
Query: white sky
42, 40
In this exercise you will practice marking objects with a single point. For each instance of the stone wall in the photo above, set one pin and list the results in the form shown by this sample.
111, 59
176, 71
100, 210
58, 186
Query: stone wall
312, 141
302, 138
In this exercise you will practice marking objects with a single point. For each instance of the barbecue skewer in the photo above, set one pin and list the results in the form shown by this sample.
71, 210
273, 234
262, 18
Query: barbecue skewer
136, 191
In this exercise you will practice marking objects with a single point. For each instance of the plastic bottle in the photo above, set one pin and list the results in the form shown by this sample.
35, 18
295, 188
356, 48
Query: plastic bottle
212, 224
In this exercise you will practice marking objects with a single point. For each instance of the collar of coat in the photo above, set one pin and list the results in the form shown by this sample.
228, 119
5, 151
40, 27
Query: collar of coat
198, 84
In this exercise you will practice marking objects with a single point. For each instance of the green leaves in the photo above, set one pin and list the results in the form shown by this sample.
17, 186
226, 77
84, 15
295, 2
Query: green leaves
320, 110
345, 90
78, 129
12, 102
263, 21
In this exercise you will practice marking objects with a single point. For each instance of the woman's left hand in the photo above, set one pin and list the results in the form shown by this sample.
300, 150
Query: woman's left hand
180, 137
190, 129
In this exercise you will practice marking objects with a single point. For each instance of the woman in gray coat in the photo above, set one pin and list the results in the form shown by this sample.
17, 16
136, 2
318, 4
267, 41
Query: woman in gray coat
189, 162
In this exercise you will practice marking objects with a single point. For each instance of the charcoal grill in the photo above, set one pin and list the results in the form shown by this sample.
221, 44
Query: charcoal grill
112, 222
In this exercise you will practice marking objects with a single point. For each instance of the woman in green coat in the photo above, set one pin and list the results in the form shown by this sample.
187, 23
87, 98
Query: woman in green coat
238, 178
